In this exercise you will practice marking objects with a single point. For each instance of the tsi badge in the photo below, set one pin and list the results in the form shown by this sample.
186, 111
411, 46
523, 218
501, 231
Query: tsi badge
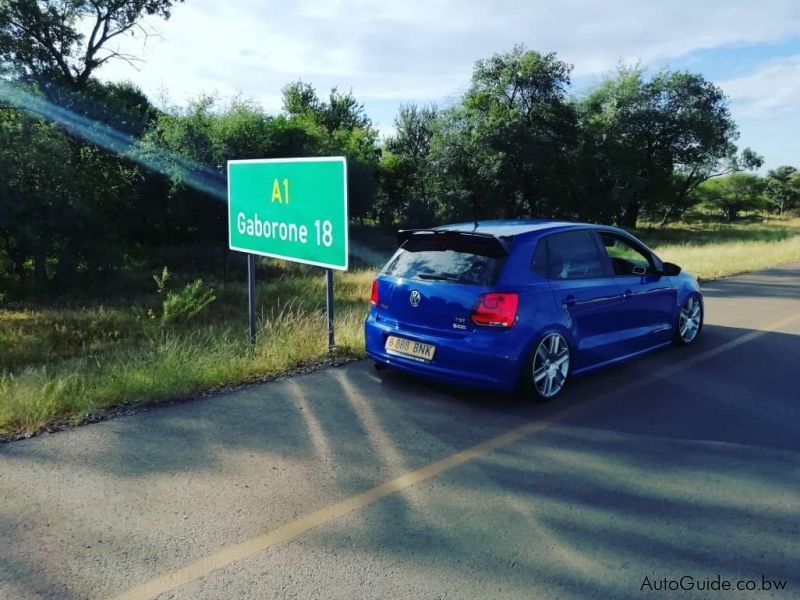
414, 298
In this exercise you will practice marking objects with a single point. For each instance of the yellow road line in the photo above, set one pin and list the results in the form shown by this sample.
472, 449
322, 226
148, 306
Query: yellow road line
298, 527
293, 529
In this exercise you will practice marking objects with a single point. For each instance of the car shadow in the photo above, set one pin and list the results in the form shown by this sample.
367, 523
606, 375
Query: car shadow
744, 395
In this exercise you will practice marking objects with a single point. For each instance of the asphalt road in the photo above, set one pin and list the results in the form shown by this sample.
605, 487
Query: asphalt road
346, 484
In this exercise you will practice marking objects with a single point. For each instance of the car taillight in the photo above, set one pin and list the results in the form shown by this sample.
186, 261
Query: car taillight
373, 297
496, 309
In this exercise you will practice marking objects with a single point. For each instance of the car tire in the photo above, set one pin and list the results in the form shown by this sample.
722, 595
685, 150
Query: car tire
548, 368
689, 322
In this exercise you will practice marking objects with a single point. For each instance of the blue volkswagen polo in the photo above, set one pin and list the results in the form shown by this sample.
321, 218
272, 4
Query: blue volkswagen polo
525, 305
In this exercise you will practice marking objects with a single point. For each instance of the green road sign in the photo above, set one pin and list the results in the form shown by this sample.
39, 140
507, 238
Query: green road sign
290, 208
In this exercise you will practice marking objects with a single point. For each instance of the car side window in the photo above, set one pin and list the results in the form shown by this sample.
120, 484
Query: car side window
573, 255
626, 257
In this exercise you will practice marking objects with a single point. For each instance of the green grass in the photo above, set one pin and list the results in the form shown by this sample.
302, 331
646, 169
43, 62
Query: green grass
66, 364
78, 356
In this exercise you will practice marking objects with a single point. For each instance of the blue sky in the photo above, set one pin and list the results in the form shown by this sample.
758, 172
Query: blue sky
423, 51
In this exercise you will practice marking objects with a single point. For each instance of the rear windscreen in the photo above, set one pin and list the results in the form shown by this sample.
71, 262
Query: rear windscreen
455, 260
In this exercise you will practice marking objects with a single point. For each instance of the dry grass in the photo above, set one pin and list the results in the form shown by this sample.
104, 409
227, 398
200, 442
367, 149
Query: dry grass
67, 364
713, 251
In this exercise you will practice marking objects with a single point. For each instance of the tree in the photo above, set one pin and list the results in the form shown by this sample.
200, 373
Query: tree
612, 154
505, 148
79, 194
53, 48
794, 183
519, 104
407, 173
41, 40
684, 185
733, 193
783, 188
191, 148
31, 185
339, 126
658, 140
341, 111
58, 201
300, 99
464, 169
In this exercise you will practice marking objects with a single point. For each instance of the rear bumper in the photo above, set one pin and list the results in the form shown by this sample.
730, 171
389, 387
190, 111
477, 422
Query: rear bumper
477, 360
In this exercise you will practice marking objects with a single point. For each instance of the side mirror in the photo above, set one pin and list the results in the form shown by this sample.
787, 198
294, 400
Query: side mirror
670, 269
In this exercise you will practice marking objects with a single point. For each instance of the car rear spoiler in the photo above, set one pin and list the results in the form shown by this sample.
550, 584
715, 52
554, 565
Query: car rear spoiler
490, 244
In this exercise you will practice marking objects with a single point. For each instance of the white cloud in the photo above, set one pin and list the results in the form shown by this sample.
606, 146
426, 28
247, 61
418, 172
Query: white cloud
770, 91
423, 49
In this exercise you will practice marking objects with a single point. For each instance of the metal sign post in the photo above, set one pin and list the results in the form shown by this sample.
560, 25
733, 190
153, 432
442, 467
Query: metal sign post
290, 208
329, 307
251, 296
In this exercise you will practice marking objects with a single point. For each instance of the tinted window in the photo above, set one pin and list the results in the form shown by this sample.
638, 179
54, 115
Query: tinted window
573, 255
624, 255
450, 261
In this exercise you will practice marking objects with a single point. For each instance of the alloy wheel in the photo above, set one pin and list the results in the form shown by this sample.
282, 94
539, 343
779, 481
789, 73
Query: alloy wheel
551, 365
690, 320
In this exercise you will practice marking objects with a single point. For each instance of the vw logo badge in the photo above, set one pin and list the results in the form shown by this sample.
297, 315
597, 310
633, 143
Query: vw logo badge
414, 298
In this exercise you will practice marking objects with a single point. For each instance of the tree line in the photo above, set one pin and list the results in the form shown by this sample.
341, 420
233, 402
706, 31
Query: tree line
94, 177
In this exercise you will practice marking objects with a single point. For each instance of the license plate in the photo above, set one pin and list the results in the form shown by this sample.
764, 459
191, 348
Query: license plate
409, 348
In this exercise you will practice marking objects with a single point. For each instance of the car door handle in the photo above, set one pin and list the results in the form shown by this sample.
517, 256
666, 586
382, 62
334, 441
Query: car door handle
570, 300
627, 294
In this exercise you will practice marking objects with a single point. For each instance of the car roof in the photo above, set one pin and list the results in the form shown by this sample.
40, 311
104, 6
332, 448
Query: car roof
518, 227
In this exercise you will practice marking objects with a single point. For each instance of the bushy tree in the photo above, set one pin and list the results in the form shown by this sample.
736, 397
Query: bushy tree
190, 147
783, 188
465, 170
339, 126
515, 131
75, 192
407, 175
614, 168
503, 151
58, 201
32, 215
654, 141
733, 194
